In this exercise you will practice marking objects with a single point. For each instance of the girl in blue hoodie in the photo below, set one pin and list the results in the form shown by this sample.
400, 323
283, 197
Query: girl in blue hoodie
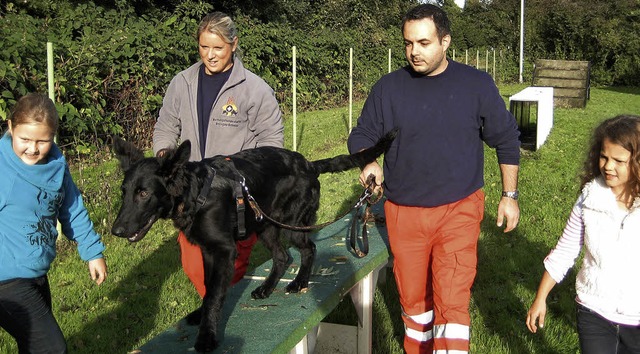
36, 192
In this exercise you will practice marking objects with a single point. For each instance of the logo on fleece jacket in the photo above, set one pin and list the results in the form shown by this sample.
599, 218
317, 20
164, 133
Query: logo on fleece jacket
230, 109
40, 234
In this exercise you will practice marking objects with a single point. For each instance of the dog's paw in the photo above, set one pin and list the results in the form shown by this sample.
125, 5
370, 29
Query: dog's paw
193, 319
261, 292
206, 343
296, 286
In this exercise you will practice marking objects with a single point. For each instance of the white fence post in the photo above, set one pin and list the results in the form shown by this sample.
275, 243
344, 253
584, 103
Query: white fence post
295, 133
350, 87
494, 64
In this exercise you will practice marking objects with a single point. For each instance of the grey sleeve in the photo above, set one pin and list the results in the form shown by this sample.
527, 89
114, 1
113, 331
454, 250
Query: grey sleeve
168, 127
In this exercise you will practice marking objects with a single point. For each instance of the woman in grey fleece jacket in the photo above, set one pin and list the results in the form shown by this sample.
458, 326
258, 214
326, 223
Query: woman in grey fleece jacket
222, 108
245, 115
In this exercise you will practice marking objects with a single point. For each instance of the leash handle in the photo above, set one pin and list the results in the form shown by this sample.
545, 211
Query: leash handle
366, 201
370, 187
260, 215
353, 234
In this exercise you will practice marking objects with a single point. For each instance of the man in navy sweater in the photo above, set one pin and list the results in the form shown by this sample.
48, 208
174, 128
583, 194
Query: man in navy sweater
433, 172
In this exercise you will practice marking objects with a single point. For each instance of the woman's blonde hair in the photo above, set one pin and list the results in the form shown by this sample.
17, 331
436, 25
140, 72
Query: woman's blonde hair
218, 23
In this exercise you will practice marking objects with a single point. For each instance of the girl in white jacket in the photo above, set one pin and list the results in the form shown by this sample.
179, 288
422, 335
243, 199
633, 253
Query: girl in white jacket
606, 221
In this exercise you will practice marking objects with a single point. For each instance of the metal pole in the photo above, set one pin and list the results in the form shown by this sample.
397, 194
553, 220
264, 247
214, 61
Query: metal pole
486, 61
50, 88
521, 37
295, 133
494, 64
52, 97
350, 87
50, 70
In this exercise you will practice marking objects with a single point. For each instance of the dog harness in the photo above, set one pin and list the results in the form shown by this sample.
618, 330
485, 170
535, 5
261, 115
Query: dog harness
202, 197
238, 196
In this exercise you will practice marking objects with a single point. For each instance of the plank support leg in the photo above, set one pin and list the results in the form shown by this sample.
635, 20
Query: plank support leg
362, 295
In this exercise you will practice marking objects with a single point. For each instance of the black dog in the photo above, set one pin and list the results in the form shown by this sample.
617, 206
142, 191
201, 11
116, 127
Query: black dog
206, 200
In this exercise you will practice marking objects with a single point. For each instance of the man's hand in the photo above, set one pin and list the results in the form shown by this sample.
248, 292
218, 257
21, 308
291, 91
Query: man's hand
161, 153
509, 209
372, 169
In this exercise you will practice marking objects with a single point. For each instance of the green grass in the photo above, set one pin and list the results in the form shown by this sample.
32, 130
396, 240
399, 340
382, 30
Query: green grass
146, 290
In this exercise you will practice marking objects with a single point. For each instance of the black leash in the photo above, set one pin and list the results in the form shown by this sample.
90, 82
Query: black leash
364, 203
260, 214
363, 213
353, 233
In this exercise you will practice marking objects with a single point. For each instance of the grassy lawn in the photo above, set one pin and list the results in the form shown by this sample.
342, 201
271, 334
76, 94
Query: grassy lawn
146, 290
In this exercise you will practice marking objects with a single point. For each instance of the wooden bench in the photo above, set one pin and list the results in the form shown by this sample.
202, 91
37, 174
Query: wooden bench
292, 323
569, 78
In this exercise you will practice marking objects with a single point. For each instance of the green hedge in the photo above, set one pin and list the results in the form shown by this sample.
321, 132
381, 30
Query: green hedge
114, 62
111, 66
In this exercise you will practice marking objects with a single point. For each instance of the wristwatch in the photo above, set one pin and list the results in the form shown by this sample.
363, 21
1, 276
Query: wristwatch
512, 194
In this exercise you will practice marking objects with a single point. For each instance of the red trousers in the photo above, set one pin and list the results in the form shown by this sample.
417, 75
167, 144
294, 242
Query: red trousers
192, 264
434, 264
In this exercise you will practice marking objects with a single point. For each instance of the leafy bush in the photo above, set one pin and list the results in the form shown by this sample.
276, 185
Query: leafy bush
111, 67
113, 60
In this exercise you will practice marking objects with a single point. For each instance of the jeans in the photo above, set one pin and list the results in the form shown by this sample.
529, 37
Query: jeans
25, 313
601, 336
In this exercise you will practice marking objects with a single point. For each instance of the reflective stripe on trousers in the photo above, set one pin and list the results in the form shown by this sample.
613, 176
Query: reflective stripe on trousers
448, 335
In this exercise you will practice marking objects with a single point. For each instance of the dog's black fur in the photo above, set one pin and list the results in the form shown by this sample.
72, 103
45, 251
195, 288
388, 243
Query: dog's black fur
284, 184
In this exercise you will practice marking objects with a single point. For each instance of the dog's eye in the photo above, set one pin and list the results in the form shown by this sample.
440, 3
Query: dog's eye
143, 194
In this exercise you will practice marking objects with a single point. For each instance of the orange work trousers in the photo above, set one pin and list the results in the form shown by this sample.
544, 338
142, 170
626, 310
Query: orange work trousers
193, 266
434, 264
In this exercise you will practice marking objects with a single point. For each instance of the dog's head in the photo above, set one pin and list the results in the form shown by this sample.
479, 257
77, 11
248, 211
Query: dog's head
148, 188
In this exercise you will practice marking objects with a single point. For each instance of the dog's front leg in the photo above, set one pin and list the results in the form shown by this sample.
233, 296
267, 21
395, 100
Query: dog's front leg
218, 270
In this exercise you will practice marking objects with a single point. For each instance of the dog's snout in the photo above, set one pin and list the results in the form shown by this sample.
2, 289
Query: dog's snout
117, 230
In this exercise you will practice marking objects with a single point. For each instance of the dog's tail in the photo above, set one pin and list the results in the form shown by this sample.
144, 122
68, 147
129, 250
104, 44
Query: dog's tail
359, 159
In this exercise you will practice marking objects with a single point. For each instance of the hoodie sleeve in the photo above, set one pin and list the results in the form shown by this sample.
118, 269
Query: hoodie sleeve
75, 221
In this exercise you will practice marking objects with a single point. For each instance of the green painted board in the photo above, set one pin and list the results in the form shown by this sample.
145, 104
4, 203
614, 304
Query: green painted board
277, 324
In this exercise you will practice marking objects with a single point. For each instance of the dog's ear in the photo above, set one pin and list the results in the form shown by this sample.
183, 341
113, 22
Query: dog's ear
172, 168
175, 159
183, 153
126, 153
